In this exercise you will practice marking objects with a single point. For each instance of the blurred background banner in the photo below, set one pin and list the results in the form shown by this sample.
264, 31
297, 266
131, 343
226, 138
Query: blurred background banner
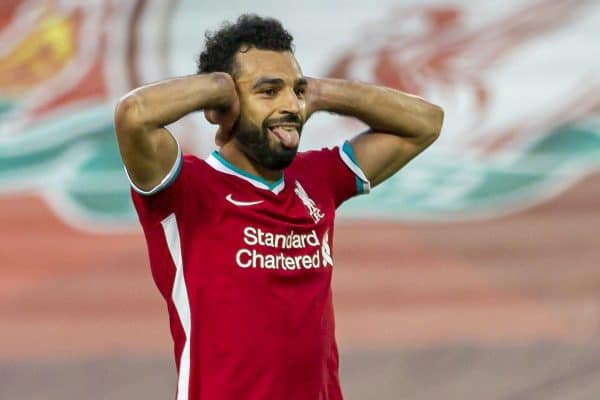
478, 259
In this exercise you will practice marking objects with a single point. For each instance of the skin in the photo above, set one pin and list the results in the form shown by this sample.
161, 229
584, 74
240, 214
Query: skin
267, 91
269, 86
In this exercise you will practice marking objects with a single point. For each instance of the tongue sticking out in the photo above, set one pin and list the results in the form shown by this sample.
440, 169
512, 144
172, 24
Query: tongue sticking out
288, 136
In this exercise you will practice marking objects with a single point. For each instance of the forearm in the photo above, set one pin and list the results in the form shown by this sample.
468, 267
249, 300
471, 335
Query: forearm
382, 109
401, 125
162, 103
148, 149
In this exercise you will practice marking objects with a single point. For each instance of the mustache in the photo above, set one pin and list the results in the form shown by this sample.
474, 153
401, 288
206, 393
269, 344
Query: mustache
286, 119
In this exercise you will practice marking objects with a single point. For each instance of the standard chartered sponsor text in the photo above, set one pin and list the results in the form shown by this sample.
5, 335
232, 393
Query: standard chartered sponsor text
253, 258
254, 236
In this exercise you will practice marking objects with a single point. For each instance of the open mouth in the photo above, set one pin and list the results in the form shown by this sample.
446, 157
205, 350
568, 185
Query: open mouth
287, 134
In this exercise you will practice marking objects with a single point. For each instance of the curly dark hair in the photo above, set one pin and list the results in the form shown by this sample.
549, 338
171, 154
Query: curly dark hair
250, 30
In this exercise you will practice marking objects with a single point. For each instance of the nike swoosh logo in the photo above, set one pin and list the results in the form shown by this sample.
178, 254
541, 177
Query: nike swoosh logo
242, 203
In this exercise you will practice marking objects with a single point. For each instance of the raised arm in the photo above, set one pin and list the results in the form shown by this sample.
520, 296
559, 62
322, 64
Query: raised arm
400, 125
148, 149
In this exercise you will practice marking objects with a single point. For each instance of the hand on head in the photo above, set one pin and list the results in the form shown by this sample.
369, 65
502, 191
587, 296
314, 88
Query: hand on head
311, 96
225, 117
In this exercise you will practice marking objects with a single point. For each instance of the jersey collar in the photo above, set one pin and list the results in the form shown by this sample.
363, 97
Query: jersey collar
216, 161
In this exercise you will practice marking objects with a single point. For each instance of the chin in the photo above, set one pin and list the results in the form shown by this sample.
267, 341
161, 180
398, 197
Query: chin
279, 159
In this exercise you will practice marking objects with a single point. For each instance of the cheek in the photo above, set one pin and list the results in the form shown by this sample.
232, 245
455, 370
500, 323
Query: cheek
303, 109
253, 113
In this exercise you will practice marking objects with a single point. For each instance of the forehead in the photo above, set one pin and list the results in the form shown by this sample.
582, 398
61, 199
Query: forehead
255, 64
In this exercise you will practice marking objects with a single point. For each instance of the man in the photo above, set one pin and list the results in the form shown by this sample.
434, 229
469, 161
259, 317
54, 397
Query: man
240, 243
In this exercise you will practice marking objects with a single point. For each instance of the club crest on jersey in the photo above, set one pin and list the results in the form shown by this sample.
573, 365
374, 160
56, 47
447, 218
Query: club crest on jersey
325, 250
309, 203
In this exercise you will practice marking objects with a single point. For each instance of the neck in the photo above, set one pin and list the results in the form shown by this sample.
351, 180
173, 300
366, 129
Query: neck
238, 158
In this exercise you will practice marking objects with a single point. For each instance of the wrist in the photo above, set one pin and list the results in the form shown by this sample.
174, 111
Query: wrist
313, 103
326, 94
223, 90
343, 97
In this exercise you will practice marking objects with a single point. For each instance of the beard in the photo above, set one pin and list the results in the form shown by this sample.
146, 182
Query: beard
257, 146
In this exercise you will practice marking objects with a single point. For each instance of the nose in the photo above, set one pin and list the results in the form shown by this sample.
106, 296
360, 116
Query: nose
291, 104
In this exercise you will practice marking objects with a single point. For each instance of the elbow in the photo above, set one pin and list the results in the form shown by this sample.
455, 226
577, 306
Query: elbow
128, 114
435, 120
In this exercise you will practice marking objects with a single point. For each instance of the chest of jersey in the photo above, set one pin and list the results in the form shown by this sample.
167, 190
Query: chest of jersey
246, 272
253, 235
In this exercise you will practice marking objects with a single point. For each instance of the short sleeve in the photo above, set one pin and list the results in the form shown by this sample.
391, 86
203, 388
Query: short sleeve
165, 182
168, 196
338, 172
346, 152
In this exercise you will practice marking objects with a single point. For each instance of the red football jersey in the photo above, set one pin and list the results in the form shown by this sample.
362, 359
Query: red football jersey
245, 267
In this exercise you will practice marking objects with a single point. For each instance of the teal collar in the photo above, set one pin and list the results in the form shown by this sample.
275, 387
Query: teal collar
217, 161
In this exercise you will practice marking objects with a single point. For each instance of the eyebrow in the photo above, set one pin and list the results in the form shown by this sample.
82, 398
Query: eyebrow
278, 82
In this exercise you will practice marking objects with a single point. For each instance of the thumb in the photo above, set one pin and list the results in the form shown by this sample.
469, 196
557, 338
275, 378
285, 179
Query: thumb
222, 136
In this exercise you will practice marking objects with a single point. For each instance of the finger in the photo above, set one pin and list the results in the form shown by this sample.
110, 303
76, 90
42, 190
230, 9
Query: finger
222, 136
219, 138
212, 116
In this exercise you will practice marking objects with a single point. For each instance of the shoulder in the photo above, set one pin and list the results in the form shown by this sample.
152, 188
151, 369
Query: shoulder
194, 167
314, 168
187, 177
333, 168
312, 159
193, 161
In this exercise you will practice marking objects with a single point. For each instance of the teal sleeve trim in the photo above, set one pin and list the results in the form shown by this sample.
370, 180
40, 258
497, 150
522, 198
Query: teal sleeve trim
179, 165
347, 148
347, 154
166, 181
359, 185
